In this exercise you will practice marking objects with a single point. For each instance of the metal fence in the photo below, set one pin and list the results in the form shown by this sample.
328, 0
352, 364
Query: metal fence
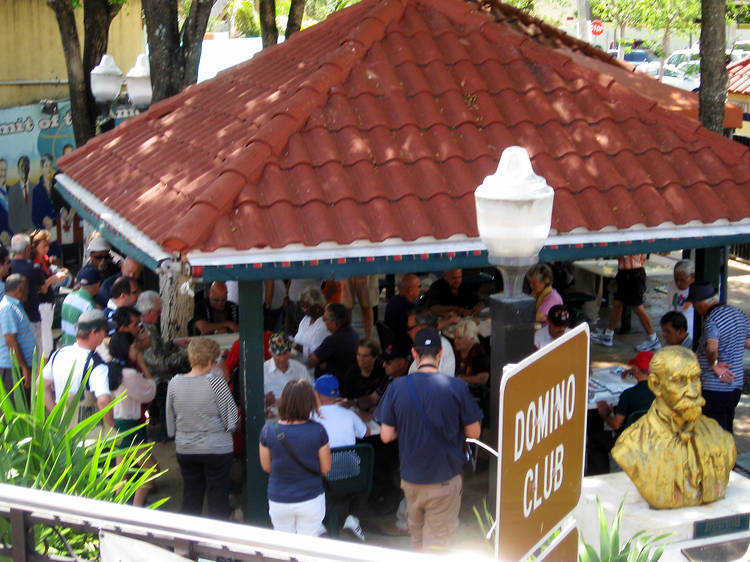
191, 537
740, 252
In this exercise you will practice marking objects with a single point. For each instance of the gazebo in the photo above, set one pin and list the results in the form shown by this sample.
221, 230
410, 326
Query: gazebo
355, 147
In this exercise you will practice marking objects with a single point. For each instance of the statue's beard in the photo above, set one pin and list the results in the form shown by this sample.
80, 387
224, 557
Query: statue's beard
689, 409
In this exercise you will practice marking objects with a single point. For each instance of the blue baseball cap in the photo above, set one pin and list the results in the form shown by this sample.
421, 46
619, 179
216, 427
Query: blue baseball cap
327, 385
88, 276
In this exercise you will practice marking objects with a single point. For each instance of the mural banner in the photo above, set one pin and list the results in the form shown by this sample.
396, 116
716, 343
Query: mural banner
32, 138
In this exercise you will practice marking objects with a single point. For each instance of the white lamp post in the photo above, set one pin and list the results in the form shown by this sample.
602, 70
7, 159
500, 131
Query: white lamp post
514, 214
106, 83
106, 80
138, 81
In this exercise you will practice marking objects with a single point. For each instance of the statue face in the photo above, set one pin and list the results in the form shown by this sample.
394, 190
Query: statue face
680, 390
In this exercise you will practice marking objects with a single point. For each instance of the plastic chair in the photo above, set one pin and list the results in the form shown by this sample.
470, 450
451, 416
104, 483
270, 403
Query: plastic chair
634, 417
351, 473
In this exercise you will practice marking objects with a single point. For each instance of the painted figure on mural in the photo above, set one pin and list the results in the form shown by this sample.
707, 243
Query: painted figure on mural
43, 212
5, 233
674, 454
19, 199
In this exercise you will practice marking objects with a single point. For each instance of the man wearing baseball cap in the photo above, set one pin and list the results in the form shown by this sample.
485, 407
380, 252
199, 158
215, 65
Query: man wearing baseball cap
637, 398
78, 302
726, 334
73, 361
280, 368
431, 414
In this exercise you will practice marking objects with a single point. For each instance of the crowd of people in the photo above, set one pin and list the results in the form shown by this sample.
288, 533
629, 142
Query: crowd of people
327, 385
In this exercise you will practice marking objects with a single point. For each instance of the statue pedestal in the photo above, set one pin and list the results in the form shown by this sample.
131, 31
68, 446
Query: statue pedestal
638, 516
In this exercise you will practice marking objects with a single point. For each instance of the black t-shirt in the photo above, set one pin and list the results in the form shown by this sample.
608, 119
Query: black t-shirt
440, 294
337, 353
396, 314
203, 311
476, 361
356, 386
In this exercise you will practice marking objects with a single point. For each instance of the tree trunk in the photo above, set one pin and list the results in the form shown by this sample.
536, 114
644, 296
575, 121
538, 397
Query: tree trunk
174, 53
83, 124
714, 77
176, 295
97, 17
294, 22
268, 30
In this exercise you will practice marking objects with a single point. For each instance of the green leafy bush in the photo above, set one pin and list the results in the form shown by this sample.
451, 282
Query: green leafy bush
47, 452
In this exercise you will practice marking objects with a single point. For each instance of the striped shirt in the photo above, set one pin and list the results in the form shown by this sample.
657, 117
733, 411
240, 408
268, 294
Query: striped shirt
731, 328
14, 320
201, 414
73, 306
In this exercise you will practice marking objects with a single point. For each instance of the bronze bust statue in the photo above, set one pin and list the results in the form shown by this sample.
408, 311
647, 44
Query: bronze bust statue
674, 454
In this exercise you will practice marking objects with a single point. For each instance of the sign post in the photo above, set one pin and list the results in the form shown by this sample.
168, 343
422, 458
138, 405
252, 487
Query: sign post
543, 403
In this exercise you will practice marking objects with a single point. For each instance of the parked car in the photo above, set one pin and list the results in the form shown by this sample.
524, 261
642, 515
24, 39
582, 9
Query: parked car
635, 56
676, 77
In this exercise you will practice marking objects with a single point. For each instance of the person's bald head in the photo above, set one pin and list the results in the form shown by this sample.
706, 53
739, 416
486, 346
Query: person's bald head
217, 295
132, 269
409, 287
454, 278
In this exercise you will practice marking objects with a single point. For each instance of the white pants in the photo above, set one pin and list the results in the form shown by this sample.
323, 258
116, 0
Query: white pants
46, 311
302, 518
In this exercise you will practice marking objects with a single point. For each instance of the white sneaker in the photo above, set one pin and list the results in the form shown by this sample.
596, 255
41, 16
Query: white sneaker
352, 524
648, 344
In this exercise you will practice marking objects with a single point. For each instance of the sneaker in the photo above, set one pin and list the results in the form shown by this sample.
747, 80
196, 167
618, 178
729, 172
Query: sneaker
603, 338
352, 524
649, 344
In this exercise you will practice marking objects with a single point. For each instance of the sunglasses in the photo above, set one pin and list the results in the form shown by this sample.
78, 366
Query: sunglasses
99, 256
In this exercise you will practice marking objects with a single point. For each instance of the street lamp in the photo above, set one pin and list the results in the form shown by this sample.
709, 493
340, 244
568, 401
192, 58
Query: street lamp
106, 83
514, 214
138, 81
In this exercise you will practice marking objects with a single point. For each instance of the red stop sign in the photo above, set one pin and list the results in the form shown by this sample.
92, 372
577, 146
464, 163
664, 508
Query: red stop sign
597, 27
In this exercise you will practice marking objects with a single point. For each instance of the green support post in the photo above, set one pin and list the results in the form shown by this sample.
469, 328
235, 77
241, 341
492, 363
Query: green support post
711, 265
251, 364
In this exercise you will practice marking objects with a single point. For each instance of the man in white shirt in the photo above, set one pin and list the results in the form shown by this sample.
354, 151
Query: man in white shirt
73, 361
684, 275
280, 368
343, 427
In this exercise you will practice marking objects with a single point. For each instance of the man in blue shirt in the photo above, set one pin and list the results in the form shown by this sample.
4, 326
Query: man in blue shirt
18, 335
431, 414
726, 334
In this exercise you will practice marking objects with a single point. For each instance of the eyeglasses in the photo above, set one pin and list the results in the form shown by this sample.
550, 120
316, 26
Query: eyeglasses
214, 299
99, 256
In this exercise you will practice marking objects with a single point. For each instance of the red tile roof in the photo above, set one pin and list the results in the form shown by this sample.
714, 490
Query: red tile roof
739, 77
378, 124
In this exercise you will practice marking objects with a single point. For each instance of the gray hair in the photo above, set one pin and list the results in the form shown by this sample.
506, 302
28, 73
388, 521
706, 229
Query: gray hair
13, 282
19, 243
468, 329
313, 296
542, 272
685, 266
714, 299
146, 301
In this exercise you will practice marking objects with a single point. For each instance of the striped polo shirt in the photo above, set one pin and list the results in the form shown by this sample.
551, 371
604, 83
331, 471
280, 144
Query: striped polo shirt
731, 328
14, 320
73, 306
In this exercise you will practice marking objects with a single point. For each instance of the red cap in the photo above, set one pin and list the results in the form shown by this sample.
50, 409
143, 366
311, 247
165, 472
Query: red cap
642, 360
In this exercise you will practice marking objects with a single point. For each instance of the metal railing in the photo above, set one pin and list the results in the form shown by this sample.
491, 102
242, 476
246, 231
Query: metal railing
191, 537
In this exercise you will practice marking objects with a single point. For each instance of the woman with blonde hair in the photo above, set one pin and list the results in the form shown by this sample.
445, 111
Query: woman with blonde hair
201, 415
540, 282
296, 454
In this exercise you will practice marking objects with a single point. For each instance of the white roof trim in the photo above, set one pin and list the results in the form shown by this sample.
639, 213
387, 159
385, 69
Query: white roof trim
457, 243
128, 230
390, 247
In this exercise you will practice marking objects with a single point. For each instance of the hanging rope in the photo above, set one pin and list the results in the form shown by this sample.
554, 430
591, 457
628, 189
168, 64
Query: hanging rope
176, 294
